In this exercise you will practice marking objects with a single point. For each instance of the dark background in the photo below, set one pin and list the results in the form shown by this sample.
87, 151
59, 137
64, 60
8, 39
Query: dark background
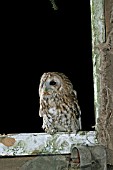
37, 39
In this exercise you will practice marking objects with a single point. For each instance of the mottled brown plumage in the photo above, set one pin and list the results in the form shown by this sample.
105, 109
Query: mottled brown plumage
58, 104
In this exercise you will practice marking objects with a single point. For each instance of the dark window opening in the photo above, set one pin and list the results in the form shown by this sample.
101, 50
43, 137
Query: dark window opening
52, 41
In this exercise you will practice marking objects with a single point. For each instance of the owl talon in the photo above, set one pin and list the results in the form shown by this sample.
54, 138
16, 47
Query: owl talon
51, 132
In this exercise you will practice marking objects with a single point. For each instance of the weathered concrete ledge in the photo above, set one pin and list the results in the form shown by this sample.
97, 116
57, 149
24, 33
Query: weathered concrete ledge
42, 143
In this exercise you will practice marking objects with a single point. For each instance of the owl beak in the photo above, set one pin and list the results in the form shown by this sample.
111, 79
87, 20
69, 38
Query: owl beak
46, 91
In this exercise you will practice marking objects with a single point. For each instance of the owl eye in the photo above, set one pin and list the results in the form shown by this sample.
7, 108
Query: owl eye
52, 83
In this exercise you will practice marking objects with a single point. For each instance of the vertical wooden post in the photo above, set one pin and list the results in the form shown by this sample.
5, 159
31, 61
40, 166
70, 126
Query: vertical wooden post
103, 71
98, 36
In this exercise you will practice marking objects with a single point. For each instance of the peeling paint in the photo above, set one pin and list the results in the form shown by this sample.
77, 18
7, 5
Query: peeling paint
7, 141
42, 143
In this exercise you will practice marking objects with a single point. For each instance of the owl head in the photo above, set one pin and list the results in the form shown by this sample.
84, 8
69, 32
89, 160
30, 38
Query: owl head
54, 82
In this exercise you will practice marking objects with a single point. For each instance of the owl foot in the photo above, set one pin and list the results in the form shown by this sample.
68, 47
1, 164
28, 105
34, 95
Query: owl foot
51, 132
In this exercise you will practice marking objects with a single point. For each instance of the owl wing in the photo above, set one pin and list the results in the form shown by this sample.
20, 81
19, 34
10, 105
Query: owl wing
77, 109
43, 108
40, 112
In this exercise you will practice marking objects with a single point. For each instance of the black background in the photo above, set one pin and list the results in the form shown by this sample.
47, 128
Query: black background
37, 39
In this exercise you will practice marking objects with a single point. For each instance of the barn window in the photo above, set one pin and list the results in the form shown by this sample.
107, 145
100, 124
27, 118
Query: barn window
68, 43
64, 45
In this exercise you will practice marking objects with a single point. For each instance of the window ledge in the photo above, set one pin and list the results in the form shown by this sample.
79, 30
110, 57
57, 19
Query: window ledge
41, 143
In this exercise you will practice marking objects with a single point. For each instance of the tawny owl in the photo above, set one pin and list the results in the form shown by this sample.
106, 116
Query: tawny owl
58, 104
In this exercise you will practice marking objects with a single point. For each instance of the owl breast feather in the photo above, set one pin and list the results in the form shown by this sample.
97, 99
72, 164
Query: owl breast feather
53, 111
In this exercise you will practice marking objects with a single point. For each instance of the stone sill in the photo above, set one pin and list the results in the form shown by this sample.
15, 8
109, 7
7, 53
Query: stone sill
43, 144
